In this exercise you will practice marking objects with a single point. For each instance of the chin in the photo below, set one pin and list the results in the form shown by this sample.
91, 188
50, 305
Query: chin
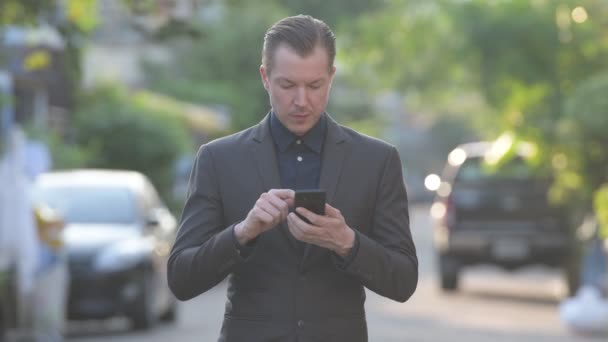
300, 130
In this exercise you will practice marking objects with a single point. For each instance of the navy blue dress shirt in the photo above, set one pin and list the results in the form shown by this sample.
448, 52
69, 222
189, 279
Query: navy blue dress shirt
299, 158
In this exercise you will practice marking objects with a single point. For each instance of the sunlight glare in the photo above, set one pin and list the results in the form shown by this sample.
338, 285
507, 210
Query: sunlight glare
438, 210
432, 182
457, 157
579, 15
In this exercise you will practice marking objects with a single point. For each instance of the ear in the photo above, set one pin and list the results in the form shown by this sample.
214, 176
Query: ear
264, 76
332, 73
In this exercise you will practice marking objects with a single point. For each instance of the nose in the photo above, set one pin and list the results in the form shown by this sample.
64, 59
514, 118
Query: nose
300, 97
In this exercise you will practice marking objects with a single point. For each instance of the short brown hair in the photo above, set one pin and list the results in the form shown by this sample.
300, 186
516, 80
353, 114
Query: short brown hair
301, 33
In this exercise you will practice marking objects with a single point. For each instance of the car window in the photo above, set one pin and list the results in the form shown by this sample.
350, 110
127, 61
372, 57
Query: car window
476, 169
104, 205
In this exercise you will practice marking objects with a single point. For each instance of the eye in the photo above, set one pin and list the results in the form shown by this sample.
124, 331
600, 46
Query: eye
286, 86
314, 86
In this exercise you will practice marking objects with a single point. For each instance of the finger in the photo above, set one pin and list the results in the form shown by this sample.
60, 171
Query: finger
293, 223
270, 210
279, 204
262, 216
315, 219
308, 230
284, 194
332, 212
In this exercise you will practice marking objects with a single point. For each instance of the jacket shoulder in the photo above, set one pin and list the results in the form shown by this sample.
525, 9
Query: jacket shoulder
230, 143
367, 143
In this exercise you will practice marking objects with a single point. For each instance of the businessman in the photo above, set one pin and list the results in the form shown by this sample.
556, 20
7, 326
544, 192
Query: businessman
293, 278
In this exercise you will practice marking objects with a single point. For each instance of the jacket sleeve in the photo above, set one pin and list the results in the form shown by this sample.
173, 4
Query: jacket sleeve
204, 252
386, 260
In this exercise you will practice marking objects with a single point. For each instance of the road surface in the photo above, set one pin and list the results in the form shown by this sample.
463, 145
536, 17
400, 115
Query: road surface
491, 306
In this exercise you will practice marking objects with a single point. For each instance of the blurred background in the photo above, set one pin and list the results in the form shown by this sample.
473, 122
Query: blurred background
499, 109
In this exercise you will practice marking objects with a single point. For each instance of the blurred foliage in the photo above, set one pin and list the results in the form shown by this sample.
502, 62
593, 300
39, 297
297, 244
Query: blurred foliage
82, 14
121, 133
5, 101
513, 53
448, 132
114, 129
74, 20
141, 6
200, 120
581, 163
222, 68
22, 12
370, 126
506, 149
334, 13
522, 58
600, 205
64, 155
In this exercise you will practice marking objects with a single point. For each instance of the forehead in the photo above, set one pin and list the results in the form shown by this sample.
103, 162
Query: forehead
287, 63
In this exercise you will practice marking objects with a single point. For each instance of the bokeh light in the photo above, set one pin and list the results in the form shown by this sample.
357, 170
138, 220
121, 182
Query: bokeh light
432, 182
579, 15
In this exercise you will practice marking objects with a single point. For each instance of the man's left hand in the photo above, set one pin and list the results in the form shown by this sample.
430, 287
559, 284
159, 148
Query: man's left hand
329, 231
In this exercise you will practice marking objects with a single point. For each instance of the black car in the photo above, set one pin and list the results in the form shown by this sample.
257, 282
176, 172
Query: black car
118, 236
498, 214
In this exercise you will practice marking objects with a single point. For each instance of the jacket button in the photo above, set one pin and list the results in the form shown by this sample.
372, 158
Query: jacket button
300, 323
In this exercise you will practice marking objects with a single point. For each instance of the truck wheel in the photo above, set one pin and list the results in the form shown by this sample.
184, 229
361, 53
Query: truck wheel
449, 272
170, 316
572, 277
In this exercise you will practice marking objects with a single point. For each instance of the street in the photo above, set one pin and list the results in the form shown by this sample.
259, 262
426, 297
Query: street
492, 306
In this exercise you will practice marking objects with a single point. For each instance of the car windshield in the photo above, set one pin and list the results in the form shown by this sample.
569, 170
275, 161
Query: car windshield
103, 205
476, 169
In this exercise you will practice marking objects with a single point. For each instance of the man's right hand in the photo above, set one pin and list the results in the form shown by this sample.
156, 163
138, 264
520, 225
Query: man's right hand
269, 210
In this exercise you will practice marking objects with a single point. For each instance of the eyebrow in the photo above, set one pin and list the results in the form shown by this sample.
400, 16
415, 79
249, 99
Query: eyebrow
284, 79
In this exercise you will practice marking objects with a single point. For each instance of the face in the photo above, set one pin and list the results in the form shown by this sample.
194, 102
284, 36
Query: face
298, 87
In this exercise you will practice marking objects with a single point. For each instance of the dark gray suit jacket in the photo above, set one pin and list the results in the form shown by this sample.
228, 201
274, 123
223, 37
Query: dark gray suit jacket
279, 293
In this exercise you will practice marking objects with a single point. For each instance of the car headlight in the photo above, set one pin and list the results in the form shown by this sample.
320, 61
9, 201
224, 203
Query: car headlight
121, 256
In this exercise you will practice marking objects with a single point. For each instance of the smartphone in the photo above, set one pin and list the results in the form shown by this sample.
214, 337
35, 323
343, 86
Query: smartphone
313, 200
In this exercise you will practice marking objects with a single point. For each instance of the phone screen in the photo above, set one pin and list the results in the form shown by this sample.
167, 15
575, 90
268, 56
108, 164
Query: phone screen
313, 200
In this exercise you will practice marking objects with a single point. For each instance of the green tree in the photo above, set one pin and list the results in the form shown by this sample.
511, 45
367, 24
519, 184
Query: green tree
601, 210
521, 56
581, 159
222, 66
517, 60
337, 13
121, 133
74, 19
22, 12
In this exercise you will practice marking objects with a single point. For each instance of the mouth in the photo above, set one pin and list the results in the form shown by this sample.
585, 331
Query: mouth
299, 115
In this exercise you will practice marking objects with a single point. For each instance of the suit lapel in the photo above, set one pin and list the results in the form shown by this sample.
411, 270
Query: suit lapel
267, 166
335, 151
264, 155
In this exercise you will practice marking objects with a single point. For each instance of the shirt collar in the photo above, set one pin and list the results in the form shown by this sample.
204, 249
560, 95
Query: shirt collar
283, 138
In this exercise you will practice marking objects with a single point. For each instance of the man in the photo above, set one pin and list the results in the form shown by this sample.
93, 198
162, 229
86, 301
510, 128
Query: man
290, 280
